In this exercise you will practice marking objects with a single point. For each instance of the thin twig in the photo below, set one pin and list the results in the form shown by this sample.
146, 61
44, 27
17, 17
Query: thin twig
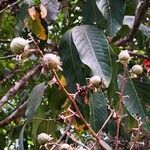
72, 100
120, 107
138, 18
20, 84
5, 41
99, 132
9, 6
64, 134
78, 142
7, 57
101, 129
16, 114
36, 44
139, 55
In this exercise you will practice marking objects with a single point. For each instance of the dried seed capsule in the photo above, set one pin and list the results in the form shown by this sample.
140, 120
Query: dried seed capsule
137, 69
65, 146
124, 57
17, 45
43, 138
95, 81
53, 61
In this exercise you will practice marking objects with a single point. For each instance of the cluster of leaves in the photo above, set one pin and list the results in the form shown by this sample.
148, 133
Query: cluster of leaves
83, 33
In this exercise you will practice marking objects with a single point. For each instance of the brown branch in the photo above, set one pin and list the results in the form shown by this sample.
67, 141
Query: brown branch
16, 114
73, 101
7, 57
64, 134
5, 41
138, 18
78, 142
20, 84
101, 129
120, 107
9, 6
139, 55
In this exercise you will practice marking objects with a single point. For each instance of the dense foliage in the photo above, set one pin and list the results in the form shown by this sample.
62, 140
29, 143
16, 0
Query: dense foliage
79, 74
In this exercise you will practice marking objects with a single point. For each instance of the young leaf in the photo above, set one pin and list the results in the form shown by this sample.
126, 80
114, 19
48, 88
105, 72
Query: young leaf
35, 99
113, 12
94, 51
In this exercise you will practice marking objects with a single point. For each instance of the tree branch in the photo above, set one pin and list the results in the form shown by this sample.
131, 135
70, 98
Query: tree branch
73, 101
9, 6
120, 106
139, 55
19, 84
5, 41
138, 18
64, 134
7, 57
78, 142
16, 114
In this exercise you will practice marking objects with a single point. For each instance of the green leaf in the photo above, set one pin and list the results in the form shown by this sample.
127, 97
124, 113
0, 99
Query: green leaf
98, 110
142, 87
92, 15
132, 101
35, 124
111, 91
94, 51
21, 15
113, 12
35, 99
74, 70
48, 126
56, 99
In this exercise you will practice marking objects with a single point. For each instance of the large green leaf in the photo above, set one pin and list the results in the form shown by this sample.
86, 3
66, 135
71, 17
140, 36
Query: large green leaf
113, 11
72, 65
98, 110
94, 51
132, 101
35, 99
142, 87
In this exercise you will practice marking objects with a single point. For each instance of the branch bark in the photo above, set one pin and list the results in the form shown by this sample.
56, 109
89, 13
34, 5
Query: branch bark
16, 114
5, 41
20, 84
138, 18
8, 4
139, 55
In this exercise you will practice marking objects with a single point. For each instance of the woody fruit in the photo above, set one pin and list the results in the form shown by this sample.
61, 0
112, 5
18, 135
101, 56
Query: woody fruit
43, 138
17, 45
124, 57
137, 69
